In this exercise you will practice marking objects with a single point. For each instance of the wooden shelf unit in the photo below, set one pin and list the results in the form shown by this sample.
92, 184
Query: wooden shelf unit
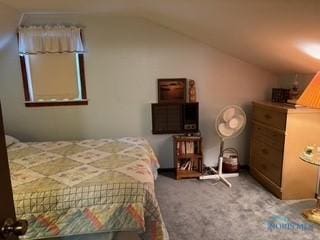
187, 156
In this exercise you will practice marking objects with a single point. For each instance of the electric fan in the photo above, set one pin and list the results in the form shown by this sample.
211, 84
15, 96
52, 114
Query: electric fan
229, 124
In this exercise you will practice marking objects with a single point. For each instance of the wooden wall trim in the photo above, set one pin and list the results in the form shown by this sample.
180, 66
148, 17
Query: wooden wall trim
54, 104
82, 76
24, 79
6, 200
29, 103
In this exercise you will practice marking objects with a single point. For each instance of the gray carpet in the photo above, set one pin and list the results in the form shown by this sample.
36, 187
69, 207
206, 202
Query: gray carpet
194, 209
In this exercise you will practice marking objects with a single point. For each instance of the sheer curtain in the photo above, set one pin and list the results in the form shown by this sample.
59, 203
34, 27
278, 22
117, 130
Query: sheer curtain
50, 39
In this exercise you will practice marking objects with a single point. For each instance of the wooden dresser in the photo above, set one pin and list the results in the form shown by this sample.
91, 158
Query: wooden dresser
279, 134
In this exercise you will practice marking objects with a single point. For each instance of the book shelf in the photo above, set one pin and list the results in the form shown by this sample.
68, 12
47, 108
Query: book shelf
187, 156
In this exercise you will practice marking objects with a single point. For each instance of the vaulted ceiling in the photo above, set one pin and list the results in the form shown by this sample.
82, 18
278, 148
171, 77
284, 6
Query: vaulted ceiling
282, 36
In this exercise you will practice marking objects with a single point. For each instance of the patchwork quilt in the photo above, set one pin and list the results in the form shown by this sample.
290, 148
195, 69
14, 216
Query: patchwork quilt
92, 186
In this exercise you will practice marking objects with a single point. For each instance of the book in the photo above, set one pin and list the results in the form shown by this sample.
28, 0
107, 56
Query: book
185, 147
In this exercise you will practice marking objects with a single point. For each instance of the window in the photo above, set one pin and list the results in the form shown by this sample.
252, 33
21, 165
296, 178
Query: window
52, 70
53, 79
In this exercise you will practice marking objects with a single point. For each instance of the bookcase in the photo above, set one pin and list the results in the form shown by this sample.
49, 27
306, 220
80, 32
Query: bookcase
187, 156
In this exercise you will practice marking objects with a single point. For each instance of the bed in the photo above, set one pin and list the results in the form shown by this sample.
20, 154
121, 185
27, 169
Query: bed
73, 189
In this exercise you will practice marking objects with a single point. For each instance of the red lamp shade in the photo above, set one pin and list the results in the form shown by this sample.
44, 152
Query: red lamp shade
311, 95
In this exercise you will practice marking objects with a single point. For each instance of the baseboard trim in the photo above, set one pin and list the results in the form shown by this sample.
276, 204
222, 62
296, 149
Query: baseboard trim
163, 170
244, 167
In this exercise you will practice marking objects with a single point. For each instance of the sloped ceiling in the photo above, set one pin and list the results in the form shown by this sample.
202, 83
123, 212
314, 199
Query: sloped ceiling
278, 35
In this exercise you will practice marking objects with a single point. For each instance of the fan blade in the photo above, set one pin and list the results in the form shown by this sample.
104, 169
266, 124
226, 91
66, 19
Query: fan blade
241, 120
224, 130
233, 123
229, 114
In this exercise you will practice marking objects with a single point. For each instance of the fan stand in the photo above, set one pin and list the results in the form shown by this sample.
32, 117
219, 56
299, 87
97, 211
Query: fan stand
218, 175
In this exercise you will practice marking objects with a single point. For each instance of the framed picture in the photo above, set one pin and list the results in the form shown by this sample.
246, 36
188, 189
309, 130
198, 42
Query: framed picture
172, 90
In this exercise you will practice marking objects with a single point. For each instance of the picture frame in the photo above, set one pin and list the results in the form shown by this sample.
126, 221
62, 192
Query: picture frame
172, 90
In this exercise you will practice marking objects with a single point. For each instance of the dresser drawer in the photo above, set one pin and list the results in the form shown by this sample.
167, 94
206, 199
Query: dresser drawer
269, 136
270, 118
267, 160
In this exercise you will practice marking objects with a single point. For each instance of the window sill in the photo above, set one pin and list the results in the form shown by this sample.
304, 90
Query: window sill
56, 103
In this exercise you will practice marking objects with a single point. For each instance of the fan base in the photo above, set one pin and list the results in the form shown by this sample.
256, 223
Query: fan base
218, 175
221, 177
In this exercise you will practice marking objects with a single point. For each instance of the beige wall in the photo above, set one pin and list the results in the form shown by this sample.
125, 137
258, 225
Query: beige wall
8, 25
286, 80
125, 57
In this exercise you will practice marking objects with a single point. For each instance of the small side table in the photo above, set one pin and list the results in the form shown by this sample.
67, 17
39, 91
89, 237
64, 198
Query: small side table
311, 155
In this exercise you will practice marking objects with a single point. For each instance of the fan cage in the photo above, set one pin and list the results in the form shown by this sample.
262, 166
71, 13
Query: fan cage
240, 111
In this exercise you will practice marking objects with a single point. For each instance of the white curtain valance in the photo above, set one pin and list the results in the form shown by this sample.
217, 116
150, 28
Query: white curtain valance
50, 39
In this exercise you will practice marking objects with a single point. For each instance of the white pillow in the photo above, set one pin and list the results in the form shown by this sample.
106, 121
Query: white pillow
10, 140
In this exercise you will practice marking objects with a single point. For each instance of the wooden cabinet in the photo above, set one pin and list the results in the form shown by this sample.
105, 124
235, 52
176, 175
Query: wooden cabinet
166, 118
175, 118
187, 156
279, 134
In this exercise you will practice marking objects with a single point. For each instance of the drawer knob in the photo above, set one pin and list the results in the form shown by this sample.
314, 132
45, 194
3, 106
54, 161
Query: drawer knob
267, 116
264, 151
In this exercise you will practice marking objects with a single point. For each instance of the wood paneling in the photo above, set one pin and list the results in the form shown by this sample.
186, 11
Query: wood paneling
269, 135
55, 103
175, 118
270, 118
268, 160
280, 133
7, 209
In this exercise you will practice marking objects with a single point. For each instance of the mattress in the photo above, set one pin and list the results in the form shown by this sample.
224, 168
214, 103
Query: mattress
68, 188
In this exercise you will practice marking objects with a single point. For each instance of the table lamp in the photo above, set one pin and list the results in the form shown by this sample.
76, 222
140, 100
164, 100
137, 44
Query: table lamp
311, 98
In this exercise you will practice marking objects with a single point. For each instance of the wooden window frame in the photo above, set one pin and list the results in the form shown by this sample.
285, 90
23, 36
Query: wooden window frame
29, 103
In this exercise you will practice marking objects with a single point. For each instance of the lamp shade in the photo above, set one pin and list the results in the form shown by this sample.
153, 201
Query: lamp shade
311, 95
